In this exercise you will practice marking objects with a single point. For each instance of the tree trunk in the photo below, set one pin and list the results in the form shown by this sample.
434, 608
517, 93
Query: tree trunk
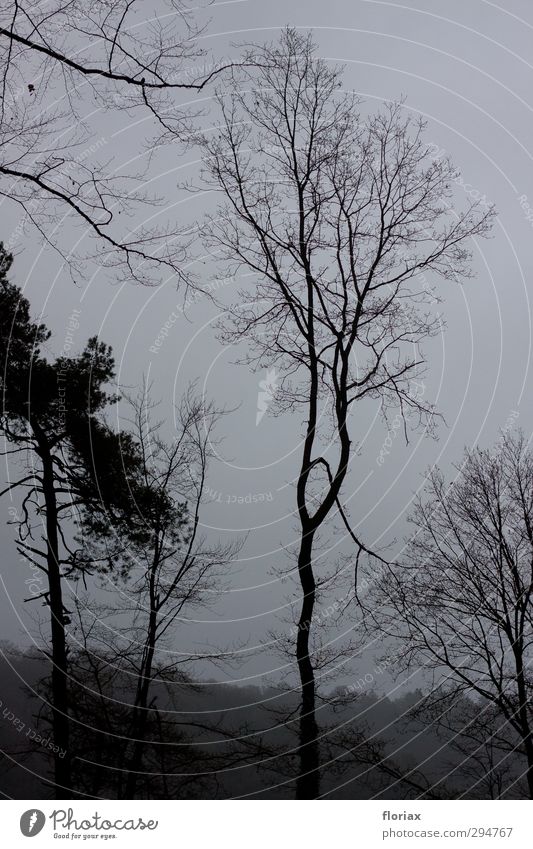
308, 782
528, 744
527, 734
140, 711
60, 719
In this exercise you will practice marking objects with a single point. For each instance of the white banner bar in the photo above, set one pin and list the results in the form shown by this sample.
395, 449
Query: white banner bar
267, 824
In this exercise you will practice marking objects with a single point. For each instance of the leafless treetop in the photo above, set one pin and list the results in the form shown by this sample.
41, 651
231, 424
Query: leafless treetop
346, 220
64, 62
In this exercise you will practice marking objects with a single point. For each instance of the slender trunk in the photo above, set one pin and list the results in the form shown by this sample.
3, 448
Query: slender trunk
523, 708
528, 744
140, 711
60, 719
308, 782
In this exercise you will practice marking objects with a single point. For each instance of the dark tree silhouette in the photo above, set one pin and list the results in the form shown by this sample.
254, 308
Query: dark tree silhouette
153, 536
41, 401
338, 217
488, 767
460, 599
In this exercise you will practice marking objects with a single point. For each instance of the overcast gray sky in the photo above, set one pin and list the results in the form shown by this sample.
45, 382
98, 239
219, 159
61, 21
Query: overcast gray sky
467, 68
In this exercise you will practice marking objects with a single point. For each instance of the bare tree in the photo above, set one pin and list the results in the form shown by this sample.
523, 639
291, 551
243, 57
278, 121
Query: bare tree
64, 62
169, 565
460, 601
340, 217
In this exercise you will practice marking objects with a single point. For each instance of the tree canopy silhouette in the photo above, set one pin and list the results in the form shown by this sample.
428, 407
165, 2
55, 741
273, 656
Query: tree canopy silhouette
338, 217
64, 64
44, 402
459, 601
